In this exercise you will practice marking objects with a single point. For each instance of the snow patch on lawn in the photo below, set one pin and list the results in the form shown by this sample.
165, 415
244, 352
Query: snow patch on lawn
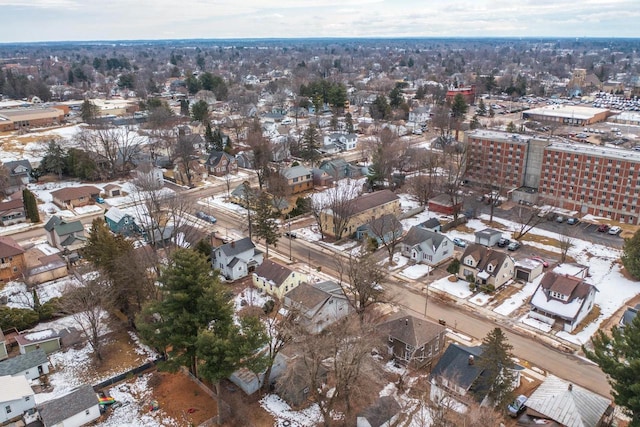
459, 288
415, 271
308, 417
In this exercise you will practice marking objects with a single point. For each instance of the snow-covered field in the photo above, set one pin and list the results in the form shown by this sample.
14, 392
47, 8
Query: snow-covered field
282, 412
415, 271
19, 297
459, 288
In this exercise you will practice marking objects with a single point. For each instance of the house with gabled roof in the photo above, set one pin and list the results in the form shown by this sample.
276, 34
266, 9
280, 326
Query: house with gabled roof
558, 401
65, 235
385, 229
339, 168
299, 179
121, 222
486, 266
412, 341
236, 259
12, 212
342, 141
319, 305
220, 163
16, 397
46, 339
564, 298
73, 197
19, 175
459, 375
12, 262
3, 346
75, 409
426, 246
276, 279
384, 412
31, 365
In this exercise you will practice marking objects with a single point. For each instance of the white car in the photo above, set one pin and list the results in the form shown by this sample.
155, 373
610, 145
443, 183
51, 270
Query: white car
615, 230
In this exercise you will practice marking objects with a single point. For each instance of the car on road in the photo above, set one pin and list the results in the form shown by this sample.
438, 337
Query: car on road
603, 228
503, 242
544, 263
513, 246
518, 406
459, 242
572, 221
614, 230
290, 234
206, 217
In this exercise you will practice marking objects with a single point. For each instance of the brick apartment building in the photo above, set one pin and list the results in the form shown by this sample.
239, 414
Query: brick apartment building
585, 178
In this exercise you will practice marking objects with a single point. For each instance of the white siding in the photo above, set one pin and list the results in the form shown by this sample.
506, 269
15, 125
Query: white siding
16, 408
81, 418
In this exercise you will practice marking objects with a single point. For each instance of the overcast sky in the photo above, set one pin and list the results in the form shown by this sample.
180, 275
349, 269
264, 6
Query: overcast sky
50, 20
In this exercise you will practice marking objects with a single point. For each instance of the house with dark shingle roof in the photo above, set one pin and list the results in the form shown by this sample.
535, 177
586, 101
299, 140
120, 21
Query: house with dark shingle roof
383, 413
629, 314
12, 212
319, 304
31, 365
19, 175
12, 262
488, 267
412, 341
426, 246
73, 197
459, 374
276, 279
564, 298
65, 235
385, 229
78, 408
219, 163
236, 259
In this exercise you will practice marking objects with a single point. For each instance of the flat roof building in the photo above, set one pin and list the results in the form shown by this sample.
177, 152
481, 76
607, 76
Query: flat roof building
567, 114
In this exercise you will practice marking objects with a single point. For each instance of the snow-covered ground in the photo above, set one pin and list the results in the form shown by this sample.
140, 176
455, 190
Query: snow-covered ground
19, 297
415, 271
282, 412
459, 288
516, 300
250, 297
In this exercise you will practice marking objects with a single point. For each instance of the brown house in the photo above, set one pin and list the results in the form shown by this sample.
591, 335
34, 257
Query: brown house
412, 341
73, 197
220, 163
299, 179
12, 212
12, 263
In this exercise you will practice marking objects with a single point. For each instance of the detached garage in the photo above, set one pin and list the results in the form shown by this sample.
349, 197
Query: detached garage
488, 237
527, 269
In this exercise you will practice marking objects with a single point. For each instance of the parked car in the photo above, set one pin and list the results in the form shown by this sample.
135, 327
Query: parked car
503, 242
614, 230
544, 263
459, 242
603, 228
99, 200
513, 246
290, 234
206, 217
559, 218
518, 406
572, 221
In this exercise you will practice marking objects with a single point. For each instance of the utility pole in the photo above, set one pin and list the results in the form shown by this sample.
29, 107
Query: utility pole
290, 236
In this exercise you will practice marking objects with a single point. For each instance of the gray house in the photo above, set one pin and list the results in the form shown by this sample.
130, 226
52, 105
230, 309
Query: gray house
31, 365
19, 175
75, 409
426, 246
65, 235
488, 237
383, 413
236, 259
385, 229
319, 304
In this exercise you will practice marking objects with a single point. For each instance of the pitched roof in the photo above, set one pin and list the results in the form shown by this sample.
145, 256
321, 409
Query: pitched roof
273, 272
62, 227
215, 157
11, 205
14, 388
485, 258
417, 235
411, 330
371, 200
443, 200
55, 411
71, 193
115, 214
13, 165
378, 414
34, 337
568, 404
23, 362
236, 247
454, 365
9, 247
53, 221
431, 223
565, 285
381, 226
295, 172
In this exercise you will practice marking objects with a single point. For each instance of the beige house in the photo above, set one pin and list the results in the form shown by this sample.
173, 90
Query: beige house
364, 209
488, 267
276, 279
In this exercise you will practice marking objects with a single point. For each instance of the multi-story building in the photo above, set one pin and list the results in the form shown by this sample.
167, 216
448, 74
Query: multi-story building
584, 178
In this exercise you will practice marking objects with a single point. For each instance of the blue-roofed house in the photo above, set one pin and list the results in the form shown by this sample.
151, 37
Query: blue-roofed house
629, 314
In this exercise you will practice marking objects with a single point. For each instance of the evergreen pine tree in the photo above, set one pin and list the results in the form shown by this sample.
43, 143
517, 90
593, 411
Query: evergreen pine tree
30, 206
631, 255
348, 120
497, 363
266, 226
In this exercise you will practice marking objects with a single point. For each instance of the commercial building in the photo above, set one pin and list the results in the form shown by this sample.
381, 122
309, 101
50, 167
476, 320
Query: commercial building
567, 114
25, 118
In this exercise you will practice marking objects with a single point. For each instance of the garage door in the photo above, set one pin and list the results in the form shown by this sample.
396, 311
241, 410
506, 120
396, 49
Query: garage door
522, 275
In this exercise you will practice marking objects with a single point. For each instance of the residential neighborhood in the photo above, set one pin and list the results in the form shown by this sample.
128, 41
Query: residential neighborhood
315, 233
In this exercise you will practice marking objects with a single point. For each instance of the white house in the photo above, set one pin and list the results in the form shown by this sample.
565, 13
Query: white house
563, 298
16, 397
236, 259
319, 304
419, 115
30, 365
426, 246
343, 141
78, 408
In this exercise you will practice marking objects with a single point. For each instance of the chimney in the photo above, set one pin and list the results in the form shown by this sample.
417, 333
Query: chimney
406, 321
471, 359
233, 243
570, 387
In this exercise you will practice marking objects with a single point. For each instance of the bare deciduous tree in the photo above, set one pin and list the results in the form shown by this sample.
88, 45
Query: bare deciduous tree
116, 145
388, 230
527, 219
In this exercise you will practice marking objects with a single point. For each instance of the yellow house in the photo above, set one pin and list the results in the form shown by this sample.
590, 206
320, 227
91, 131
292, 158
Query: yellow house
276, 279
364, 209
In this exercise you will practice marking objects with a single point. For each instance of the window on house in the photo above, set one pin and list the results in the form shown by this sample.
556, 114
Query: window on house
87, 412
7, 409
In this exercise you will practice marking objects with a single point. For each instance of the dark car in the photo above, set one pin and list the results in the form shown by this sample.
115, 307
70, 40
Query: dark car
513, 246
290, 234
603, 228
503, 242
206, 217
572, 221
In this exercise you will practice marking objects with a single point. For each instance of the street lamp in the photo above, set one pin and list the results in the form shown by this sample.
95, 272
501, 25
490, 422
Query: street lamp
290, 236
